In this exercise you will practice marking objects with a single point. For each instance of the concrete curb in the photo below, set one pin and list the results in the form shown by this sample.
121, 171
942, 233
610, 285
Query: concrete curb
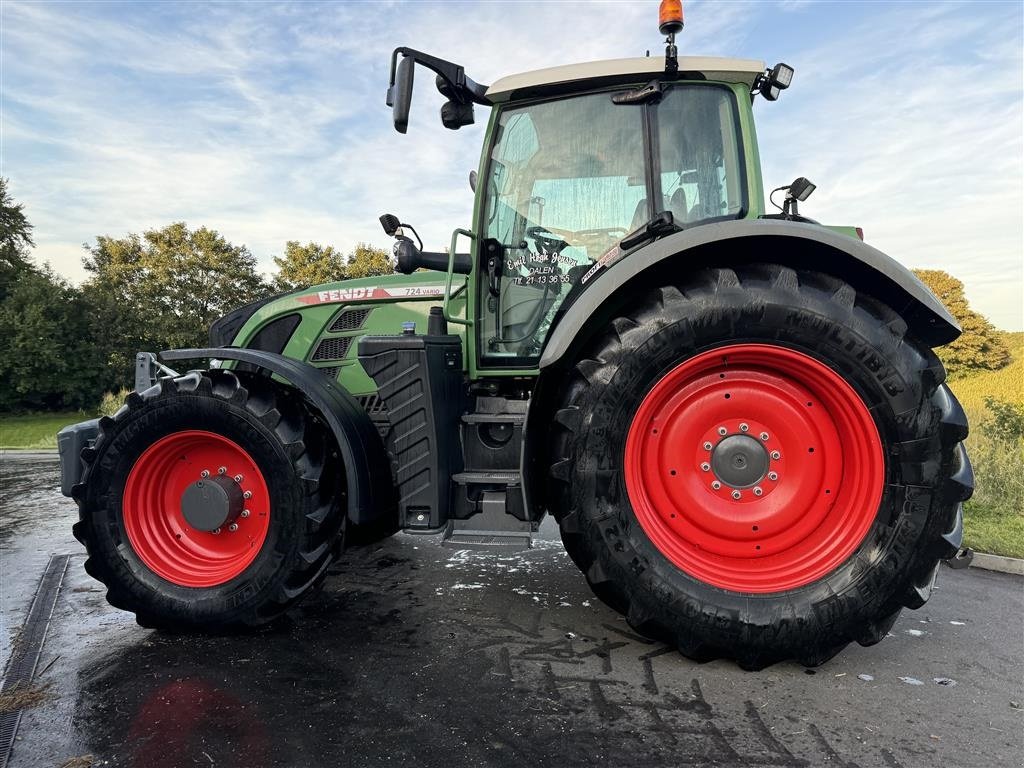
999, 563
27, 454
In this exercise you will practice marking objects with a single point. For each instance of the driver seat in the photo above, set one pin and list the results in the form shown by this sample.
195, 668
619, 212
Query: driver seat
677, 204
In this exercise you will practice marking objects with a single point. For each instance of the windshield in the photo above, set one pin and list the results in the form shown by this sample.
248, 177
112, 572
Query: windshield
568, 179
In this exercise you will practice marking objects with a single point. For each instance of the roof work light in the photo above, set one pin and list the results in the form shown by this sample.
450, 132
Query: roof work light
670, 17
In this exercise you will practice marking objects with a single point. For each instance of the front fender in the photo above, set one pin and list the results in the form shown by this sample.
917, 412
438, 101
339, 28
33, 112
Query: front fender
794, 244
370, 490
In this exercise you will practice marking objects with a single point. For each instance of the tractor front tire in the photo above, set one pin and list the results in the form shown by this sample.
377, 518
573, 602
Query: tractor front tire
760, 464
212, 443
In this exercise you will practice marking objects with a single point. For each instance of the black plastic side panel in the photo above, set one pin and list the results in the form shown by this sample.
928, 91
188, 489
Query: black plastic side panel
420, 380
274, 336
729, 243
371, 496
70, 442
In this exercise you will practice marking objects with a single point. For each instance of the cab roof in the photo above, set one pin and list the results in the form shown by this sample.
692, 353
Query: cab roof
612, 71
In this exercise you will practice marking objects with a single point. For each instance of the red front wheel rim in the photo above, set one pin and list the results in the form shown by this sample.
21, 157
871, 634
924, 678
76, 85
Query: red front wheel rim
157, 529
754, 468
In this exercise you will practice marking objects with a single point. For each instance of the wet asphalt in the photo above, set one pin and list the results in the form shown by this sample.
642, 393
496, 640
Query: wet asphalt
417, 654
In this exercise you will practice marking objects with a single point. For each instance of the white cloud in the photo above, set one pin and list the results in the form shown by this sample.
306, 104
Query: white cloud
267, 122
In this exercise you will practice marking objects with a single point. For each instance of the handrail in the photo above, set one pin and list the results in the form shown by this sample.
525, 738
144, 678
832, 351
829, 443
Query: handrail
448, 278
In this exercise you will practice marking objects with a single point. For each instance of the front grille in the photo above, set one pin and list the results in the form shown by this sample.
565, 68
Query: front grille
350, 320
333, 349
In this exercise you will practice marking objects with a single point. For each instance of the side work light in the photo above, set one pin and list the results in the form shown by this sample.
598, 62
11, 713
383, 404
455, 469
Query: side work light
801, 189
774, 81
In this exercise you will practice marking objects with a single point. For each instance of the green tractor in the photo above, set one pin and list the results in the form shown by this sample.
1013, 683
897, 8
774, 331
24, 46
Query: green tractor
736, 417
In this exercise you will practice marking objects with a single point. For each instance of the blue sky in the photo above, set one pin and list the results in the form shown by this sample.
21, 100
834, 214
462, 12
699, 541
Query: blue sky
267, 121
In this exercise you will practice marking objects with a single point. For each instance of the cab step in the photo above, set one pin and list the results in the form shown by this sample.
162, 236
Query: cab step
491, 528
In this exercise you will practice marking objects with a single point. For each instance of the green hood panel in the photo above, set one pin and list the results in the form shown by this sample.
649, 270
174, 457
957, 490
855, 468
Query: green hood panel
355, 308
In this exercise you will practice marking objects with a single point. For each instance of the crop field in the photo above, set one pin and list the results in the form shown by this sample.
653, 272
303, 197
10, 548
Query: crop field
994, 517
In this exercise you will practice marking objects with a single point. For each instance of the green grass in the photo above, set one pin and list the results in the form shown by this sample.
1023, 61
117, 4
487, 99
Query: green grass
36, 431
994, 531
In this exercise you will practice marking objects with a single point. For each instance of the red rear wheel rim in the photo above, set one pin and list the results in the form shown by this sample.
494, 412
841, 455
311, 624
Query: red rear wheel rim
157, 530
782, 504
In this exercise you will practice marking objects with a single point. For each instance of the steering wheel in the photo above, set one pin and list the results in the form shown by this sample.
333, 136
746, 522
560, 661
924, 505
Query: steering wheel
548, 241
599, 239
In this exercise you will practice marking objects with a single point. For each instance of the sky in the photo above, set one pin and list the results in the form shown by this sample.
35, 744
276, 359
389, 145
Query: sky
266, 121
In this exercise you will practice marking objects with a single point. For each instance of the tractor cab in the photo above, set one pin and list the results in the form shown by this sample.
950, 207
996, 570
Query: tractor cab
583, 164
568, 178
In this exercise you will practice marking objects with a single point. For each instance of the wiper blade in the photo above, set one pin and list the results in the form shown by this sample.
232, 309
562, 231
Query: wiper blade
652, 92
662, 224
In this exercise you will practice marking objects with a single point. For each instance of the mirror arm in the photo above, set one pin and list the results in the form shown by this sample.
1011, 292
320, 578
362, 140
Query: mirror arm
464, 88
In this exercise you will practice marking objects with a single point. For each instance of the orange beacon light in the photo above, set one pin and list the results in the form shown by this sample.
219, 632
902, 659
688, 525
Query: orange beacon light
670, 17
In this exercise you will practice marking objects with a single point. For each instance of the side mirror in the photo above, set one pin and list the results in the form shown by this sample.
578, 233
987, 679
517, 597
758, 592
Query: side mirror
402, 96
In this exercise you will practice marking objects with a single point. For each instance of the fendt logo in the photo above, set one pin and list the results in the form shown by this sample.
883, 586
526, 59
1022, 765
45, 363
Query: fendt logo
348, 294
363, 293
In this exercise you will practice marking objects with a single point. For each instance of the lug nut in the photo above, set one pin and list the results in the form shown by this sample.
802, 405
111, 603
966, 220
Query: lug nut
222, 471
776, 455
247, 495
708, 446
736, 494
744, 427
233, 527
764, 436
757, 490
245, 513
238, 478
723, 431
705, 467
216, 531
205, 473
773, 475
716, 485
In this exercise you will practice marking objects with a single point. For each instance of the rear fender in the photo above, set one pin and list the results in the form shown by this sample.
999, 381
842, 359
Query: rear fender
370, 491
731, 243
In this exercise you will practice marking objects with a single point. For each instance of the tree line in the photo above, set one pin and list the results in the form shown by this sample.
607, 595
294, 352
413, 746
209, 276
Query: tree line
63, 346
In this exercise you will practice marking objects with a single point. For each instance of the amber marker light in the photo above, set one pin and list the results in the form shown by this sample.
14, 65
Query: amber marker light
670, 17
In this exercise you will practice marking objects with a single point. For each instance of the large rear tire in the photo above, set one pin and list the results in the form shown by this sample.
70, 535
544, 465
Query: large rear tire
760, 464
260, 453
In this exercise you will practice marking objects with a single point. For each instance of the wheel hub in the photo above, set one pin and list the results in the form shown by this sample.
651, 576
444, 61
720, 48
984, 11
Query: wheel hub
212, 503
739, 461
